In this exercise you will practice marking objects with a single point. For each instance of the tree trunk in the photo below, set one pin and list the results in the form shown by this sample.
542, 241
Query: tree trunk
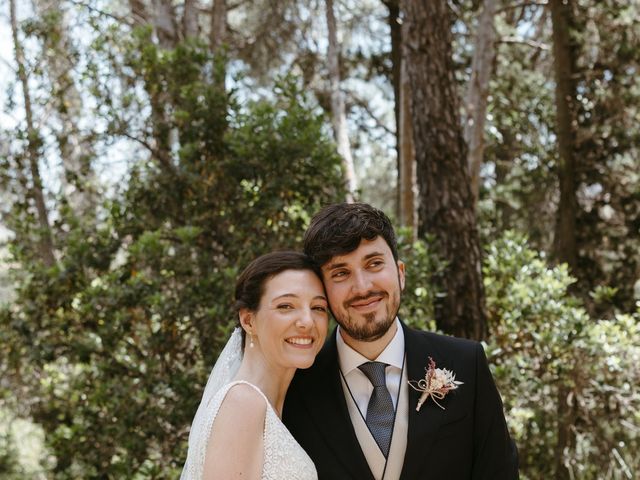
478, 92
45, 241
565, 249
190, 19
165, 23
445, 201
76, 150
395, 29
218, 33
407, 173
338, 115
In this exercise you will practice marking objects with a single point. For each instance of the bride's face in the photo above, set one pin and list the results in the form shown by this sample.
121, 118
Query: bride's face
291, 322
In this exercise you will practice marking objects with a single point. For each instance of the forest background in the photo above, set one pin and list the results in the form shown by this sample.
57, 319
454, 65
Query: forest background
150, 149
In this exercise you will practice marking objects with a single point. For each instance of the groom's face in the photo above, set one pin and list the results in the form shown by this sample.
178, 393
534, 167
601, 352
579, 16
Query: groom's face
363, 288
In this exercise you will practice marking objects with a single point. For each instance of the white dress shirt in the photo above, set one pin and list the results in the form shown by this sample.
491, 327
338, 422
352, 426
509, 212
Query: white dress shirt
358, 383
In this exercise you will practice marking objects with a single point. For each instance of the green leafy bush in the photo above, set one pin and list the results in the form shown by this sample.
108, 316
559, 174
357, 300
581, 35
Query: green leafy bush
569, 382
111, 347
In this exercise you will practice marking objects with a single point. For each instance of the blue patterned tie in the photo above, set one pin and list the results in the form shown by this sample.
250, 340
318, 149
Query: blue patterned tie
380, 413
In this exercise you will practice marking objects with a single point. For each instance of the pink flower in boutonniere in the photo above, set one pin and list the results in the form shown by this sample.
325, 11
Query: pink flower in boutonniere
436, 384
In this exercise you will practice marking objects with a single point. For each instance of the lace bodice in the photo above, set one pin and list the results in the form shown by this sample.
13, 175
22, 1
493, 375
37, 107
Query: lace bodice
284, 458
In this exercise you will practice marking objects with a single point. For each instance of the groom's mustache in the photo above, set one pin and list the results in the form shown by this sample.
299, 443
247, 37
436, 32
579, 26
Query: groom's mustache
367, 296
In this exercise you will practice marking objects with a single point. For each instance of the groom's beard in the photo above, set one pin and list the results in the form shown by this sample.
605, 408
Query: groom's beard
368, 328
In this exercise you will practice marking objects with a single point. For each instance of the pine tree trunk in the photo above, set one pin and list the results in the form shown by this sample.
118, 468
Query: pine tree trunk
45, 240
478, 93
395, 29
338, 114
218, 33
565, 249
407, 174
190, 19
446, 208
165, 23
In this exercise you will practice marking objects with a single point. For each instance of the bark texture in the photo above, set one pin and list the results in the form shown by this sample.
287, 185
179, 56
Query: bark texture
478, 92
446, 208
218, 32
407, 166
338, 114
565, 249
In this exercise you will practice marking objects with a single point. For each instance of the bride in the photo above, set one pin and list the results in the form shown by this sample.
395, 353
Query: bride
237, 431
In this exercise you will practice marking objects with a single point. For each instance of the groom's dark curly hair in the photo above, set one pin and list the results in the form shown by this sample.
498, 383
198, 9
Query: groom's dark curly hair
339, 228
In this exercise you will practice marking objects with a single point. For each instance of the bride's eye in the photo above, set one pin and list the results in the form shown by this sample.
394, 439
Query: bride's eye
284, 306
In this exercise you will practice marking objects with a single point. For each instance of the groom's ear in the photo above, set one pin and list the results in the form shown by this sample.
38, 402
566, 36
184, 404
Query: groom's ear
246, 319
401, 274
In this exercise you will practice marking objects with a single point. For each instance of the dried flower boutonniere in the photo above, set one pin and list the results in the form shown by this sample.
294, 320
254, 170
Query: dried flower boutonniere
436, 384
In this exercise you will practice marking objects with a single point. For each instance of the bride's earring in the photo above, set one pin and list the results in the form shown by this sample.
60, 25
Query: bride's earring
250, 340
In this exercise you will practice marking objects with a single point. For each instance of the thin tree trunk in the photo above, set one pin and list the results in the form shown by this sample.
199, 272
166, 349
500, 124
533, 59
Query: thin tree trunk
565, 237
33, 148
139, 12
76, 151
218, 33
565, 249
338, 115
407, 173
478, 92
165, 23
445, 201
395, 28
190, 19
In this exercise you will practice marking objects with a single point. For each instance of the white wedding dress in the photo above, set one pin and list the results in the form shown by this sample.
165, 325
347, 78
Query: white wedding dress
284, 458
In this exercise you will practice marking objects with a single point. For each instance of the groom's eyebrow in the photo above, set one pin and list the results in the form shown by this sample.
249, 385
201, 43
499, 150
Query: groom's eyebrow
333, 266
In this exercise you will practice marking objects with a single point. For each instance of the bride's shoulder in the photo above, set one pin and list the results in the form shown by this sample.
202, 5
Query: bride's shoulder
243, 402
235, 440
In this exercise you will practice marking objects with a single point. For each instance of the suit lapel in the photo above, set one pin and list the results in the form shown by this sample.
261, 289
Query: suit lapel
424, 424
328, 408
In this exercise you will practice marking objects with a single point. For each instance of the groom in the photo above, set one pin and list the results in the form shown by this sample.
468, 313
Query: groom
354, 412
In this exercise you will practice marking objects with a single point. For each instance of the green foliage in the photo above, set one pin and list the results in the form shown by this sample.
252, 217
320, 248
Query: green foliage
568, 381
421, 266
114, 343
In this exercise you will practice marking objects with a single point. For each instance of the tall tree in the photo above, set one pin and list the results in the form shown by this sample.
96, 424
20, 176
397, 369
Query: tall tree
445, 199
338, 113
565, 246
478, 92
34, 142
75, 145
407, 181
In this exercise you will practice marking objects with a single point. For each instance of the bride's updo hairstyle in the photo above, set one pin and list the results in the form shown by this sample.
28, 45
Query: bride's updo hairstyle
251, 283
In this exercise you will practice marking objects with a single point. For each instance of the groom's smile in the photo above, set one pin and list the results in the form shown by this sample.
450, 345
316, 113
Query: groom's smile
363, 288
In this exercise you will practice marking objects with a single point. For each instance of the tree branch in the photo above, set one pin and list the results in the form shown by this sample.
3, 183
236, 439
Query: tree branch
161, 157
123, 20
513, 6
524, 41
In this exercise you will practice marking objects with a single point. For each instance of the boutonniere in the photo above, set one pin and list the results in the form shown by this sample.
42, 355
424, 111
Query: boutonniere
436, 384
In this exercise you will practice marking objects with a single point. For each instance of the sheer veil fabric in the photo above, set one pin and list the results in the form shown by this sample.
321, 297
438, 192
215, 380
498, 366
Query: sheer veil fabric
223, 371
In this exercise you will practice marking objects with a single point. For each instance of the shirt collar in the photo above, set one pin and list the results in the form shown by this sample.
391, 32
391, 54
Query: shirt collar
393, 354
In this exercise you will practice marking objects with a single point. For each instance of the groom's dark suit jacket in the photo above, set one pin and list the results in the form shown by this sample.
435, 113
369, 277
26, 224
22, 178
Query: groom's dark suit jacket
467, 440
